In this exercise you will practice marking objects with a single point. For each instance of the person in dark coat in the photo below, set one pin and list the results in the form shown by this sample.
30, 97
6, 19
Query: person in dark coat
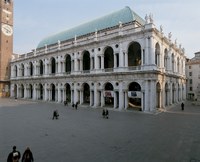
27, 156
103, 113
76, 105
106, 113
182, 106
14, 156
55, 114
66, 102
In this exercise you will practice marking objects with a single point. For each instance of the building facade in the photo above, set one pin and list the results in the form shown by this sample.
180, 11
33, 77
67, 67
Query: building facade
193, 78
119, 61
6, 45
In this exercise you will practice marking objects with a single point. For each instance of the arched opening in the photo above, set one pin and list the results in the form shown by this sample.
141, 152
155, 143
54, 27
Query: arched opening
173, 93
67, 92
134, 96
22, 69
53, 92
15, 70
68, 64
165, 59
41, 67
31, 91
179, 89
40, 92
134, 54
22, 91
158, 95
178, 65
15, 91
157, 54
173, 63
53, 66
166, 94
86, 61
31, 68
108, 58
86, 93
109, 95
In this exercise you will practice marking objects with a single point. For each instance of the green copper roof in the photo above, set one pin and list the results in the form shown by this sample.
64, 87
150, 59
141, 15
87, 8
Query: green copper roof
124, 15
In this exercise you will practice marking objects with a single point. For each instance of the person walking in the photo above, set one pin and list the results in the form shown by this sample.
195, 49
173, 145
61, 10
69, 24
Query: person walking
76, 105
27, 156
55, 114
182, 106
14, 156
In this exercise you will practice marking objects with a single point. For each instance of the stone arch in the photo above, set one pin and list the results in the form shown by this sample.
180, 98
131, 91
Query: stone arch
178, 65
67, 63
109, 94
108, 58
134, 96
22, 69
41, 92
86, 61
166, 94
41, 67
53, 92
15, 70
67, 88
53, 65
173, 63
86, 93
173, 92
22, 91
134, 54
31, 68
30, 87
15, 91
158, 95
157, 54
166, 59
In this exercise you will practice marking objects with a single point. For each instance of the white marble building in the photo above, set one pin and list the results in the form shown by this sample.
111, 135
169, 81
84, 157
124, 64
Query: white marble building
119, 61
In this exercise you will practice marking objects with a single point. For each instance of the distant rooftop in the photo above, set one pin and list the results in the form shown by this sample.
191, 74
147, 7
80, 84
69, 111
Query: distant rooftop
124, 15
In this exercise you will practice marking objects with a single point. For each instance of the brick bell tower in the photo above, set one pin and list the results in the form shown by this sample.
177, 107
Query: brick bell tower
6, 45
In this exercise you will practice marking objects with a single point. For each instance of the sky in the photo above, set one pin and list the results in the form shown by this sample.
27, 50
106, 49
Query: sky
37, 19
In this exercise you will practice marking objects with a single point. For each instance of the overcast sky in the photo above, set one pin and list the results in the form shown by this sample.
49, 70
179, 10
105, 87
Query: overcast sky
36, 19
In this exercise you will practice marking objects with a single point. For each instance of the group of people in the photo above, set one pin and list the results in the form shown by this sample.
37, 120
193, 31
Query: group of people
15, 155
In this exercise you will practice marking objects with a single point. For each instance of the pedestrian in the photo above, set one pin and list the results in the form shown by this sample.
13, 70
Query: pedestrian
103, 113
14, 156
27, 156
182, 106
55, 114
106, 113
66, 102
76, 105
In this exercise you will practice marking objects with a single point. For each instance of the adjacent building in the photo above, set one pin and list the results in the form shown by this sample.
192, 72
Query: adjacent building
193, 78
119, 61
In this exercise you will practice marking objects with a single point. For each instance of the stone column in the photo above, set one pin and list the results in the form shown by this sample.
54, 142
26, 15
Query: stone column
102, 99
59, 93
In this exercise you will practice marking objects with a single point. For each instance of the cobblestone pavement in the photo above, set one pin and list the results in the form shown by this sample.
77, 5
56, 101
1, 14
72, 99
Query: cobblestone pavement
84, 136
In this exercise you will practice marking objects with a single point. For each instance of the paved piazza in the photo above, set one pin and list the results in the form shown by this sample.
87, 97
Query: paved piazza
84, 136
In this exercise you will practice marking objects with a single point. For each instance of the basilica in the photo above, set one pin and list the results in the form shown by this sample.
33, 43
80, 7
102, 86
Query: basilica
119, 60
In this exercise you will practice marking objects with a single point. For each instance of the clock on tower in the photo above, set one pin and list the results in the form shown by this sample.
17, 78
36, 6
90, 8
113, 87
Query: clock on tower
6, 45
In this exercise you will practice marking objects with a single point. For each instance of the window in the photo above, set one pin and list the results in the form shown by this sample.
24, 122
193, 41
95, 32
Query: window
189, 67
190, 88
7, 1
190, 73
190, 81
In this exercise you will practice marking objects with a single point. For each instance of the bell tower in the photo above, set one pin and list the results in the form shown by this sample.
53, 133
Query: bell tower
6, 45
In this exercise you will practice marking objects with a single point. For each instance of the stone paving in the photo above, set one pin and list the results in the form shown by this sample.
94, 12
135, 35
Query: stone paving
84, 136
